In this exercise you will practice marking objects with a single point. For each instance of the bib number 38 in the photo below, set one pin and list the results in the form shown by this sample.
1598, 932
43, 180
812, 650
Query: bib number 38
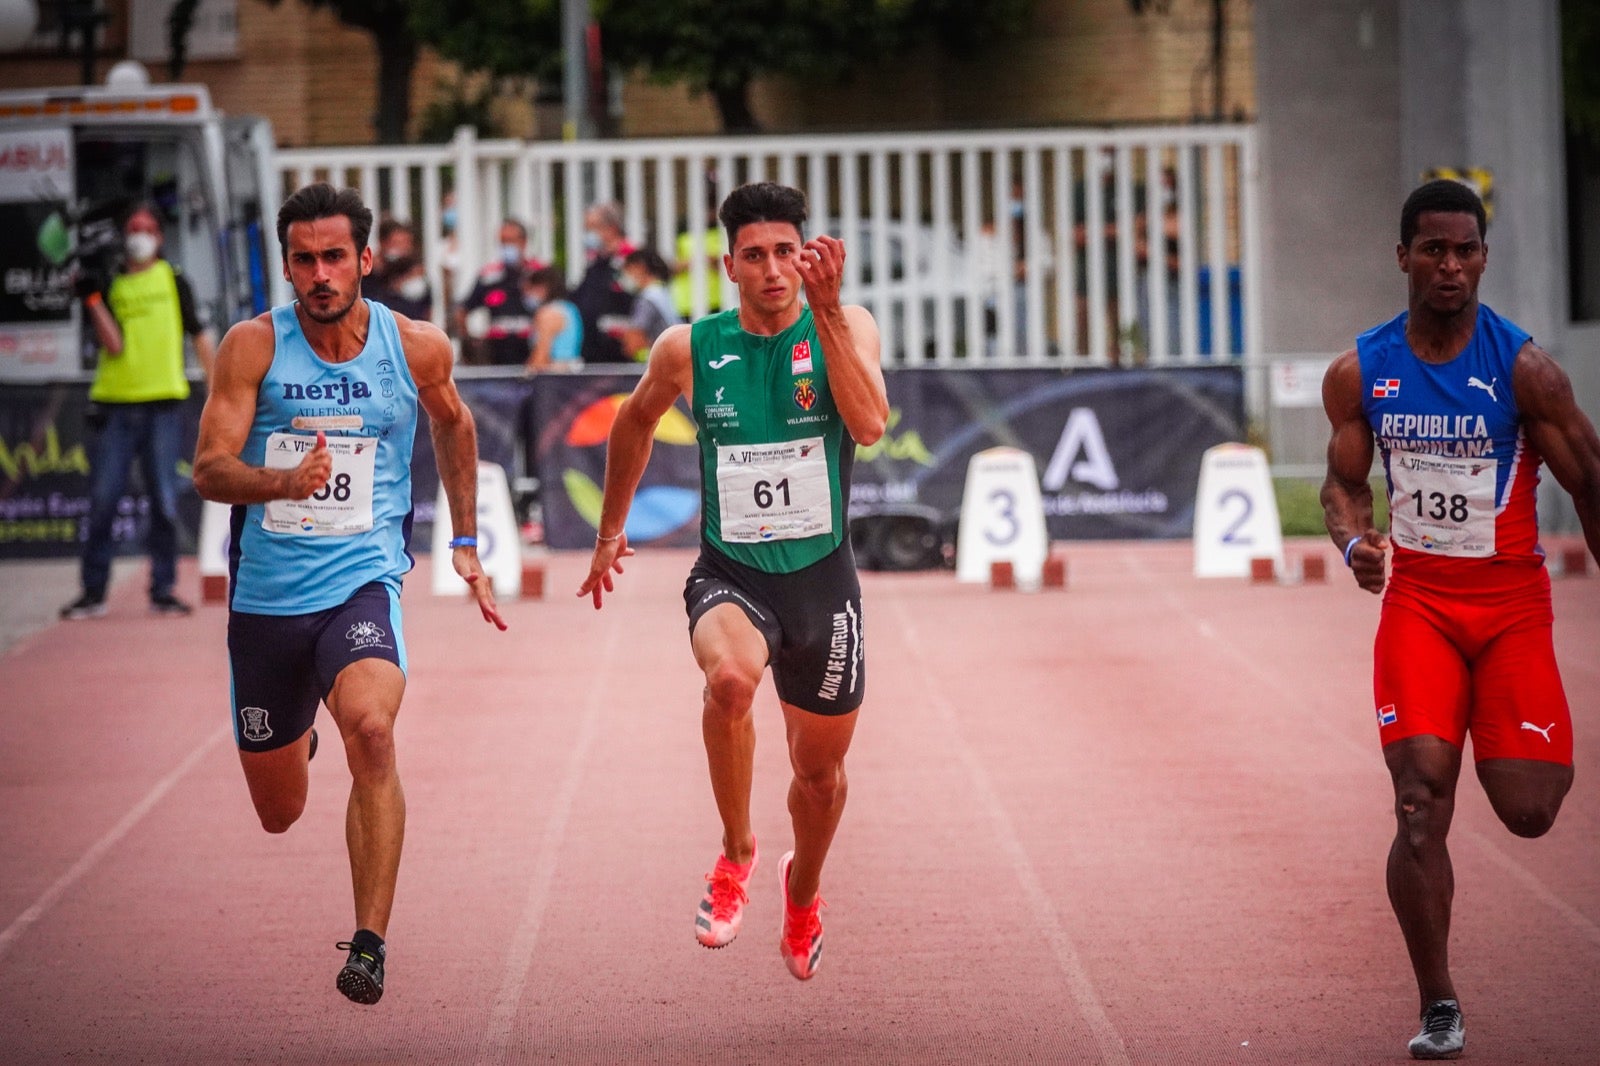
340, 508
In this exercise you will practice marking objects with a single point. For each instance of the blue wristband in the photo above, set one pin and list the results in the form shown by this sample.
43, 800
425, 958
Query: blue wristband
1348, 548
463, 542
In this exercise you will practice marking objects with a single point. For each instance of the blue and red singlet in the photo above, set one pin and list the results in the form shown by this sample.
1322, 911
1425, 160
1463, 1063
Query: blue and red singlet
1464, 643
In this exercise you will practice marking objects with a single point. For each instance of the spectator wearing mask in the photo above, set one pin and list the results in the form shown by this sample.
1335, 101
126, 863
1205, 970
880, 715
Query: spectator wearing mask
499, 291
140, 320
644, 276
557, 326
399, 281
600, 298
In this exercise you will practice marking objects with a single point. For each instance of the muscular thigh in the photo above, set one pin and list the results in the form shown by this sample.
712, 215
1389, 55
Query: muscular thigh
820, 666
1420, 677
1519, 708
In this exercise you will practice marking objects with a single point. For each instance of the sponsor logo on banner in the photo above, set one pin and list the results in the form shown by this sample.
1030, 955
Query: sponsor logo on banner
805, 394
800, 358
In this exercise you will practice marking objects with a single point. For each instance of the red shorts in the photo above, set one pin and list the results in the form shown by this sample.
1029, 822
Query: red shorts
1472, 662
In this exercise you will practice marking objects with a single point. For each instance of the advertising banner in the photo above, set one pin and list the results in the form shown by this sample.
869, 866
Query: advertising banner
38, 318
46, 445
1118, 452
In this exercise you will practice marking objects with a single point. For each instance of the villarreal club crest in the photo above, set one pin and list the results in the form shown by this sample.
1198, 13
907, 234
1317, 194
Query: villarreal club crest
805, 394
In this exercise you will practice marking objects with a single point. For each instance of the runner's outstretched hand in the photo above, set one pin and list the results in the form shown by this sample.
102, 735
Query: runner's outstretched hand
467, 564
608, 556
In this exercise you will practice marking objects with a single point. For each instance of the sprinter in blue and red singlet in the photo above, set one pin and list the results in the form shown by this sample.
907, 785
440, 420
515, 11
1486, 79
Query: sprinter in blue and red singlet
1463, 408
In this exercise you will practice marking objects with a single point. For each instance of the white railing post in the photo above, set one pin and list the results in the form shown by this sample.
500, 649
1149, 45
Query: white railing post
469, 246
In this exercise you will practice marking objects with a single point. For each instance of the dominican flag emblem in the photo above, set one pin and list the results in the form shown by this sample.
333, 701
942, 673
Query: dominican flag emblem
1387, 715
800, 358
1383, 388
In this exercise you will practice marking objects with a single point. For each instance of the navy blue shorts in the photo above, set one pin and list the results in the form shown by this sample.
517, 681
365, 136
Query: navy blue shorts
284, 665
811, 620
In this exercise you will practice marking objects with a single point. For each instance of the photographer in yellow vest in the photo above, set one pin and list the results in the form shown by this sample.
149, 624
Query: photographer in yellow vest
136, 402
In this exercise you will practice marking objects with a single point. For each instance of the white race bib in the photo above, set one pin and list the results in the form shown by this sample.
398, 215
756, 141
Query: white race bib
774, 491
1442, 505
343, 506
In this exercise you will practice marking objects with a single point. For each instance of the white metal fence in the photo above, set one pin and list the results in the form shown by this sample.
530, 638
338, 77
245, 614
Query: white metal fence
995, 248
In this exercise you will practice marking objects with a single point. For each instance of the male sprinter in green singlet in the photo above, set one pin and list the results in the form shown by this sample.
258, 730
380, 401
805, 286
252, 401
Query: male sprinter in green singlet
782, 393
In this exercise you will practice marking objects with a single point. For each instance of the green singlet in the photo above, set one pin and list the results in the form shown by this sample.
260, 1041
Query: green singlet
775, 459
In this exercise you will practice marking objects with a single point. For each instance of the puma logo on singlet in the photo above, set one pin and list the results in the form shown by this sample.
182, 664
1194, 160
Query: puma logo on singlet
718, 364
1545, 732
1474, 383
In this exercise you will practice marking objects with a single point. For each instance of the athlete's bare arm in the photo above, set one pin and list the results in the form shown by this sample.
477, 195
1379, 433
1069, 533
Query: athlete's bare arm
667, 375
849, 337
455, 448
219, 473
1346, 491
1561, 433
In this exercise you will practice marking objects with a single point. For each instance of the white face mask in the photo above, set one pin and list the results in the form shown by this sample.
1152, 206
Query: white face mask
142, 247
414, 288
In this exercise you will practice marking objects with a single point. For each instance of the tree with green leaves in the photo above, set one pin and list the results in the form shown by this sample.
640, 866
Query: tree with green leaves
723, 46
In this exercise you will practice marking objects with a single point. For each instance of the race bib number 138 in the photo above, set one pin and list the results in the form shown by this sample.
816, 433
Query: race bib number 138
343, 506
1442, 505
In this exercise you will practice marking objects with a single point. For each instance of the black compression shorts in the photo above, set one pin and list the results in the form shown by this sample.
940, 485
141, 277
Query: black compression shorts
811, 620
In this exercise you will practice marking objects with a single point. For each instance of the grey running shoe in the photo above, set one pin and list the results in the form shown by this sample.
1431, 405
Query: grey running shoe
85, 606
1443, 1032
361, 979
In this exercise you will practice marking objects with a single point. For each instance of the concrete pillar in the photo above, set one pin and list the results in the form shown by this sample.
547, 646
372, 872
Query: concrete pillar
1481, 86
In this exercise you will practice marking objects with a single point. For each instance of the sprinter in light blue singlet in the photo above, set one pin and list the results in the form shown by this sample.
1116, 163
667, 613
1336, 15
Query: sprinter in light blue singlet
307, 432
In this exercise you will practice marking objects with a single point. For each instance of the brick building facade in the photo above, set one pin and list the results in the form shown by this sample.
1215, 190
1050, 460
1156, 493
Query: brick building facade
1081, 62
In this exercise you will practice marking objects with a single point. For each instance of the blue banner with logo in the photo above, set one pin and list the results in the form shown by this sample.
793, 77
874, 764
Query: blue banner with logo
1118, 452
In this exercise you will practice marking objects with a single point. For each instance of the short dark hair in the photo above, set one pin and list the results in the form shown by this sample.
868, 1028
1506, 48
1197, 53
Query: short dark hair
762, 201
1441, 194
651, 260
555, 286
321, 200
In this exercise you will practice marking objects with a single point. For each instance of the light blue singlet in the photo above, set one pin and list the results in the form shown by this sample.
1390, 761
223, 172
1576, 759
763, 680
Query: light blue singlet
297, 557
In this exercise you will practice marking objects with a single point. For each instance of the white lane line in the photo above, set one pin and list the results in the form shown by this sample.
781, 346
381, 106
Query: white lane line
1084, 997
1527, 878
98, 849
519, 960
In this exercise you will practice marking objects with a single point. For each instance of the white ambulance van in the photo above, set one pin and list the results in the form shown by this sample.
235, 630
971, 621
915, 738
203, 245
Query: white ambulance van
74, 160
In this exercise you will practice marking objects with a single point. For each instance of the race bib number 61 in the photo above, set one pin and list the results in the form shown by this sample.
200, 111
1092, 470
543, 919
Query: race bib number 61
343, 506
774, 491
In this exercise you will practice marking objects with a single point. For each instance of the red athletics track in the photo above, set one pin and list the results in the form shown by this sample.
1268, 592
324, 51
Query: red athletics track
1142, 821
